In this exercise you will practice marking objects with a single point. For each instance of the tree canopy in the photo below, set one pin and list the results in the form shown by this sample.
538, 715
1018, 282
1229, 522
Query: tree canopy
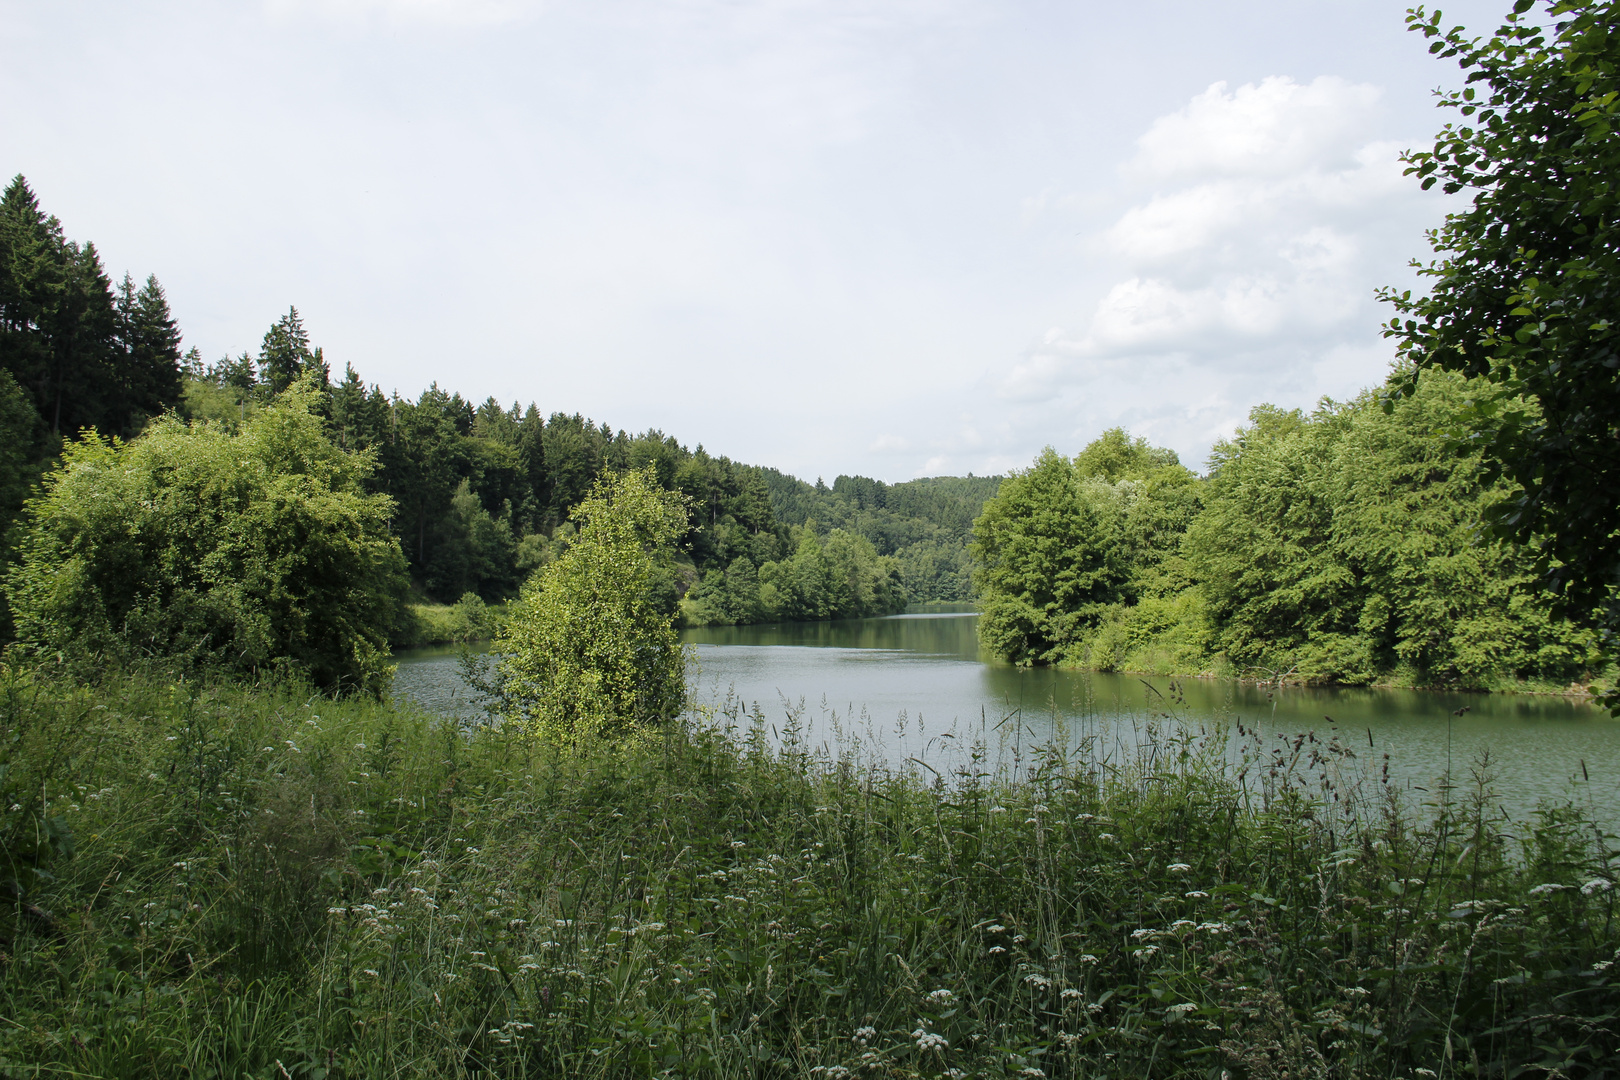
1526, 288
1336, 546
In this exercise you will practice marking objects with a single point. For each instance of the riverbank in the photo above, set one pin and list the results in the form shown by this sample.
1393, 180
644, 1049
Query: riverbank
1587, 692
247, 882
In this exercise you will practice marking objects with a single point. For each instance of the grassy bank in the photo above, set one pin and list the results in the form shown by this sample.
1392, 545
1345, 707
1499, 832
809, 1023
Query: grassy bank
468, 619
228, 882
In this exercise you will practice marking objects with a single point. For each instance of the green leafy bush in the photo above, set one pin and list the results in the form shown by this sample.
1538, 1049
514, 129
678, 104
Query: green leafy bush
191, 546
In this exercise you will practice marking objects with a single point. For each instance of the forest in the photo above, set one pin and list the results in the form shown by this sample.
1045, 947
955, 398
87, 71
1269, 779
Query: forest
481, 493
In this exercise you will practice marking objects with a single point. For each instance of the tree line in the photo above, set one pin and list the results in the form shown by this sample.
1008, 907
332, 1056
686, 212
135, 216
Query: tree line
477, 497
1341, 545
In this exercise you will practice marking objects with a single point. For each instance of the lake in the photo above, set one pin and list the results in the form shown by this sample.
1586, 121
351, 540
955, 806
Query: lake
915, 686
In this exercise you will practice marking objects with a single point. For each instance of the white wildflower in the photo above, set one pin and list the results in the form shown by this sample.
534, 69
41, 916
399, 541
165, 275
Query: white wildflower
864, 1035
996, 950
998, 810
1596, 885
1071, 994
1143, 954
1039, 982
928, 1040
942, 997
1181, 1010
1547, 888
1087, 958
1178, 868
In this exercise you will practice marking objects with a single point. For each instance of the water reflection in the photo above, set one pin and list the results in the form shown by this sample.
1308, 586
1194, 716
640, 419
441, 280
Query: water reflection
915, 686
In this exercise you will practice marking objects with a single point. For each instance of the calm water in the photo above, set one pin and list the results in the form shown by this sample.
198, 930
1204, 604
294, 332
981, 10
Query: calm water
916, 686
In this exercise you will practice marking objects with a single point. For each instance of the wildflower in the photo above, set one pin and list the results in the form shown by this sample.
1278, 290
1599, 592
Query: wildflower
1038, 808
994, 929
1105, 836
864, 1035
1196, 894
928, 1040
1086, 817
739, 843
1602, 965
336, 910
942, 997
1143, 954
1596, 885
1087, 958
1180, 1010
1179, 923
1547, 888
1215, 928
1138, 935
170, 738
472, 851
996, 950
369, 971
1425, 1072
1039, 982
1031, 1071
1178, 868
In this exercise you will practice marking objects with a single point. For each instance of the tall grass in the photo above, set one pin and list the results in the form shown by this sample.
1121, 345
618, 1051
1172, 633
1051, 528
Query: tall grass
214, 881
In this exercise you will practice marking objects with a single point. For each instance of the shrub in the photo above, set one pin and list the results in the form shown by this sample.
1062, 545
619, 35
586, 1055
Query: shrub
194, 547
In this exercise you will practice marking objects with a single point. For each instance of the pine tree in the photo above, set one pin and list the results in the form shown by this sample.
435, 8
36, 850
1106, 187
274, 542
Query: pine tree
286, 353
148, 357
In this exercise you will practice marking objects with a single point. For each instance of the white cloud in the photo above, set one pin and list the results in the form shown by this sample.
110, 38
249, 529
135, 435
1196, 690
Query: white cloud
1245, 270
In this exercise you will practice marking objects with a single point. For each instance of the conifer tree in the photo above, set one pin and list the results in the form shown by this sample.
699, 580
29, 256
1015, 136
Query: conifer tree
285, 353
149, 379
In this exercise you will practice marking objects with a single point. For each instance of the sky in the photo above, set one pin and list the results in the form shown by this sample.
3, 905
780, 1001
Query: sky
894, 238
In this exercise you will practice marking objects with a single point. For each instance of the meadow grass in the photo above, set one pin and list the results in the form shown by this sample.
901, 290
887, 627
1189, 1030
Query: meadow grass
219, 881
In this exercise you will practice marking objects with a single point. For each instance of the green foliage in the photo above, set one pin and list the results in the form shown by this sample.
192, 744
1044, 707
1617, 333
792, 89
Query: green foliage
238, 883
467, 620
1344, 547
250, 553
1523, 294
1064, 543
586, 651
1337, 547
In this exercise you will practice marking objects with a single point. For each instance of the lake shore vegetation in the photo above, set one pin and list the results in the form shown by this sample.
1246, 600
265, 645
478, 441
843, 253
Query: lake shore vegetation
1341, 546
221, 880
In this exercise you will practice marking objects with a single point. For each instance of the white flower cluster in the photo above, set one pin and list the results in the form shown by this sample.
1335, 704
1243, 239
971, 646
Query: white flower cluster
929, 1040
941, 997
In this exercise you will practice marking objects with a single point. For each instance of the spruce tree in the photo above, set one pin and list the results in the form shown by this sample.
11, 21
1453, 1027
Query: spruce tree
286, 353
149, 380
